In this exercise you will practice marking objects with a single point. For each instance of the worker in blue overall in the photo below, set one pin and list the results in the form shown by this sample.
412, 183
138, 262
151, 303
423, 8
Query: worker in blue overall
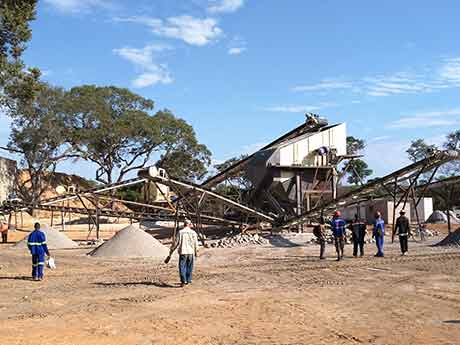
379, 233
38, 248
338, 230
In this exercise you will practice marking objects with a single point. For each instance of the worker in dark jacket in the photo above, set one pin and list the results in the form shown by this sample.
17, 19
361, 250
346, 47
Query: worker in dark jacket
38, 248
320, 232
379, 233
4, 231
358, 232
338, 230
402, 228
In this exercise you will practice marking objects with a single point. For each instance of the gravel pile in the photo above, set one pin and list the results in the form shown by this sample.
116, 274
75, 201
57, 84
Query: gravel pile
240, 240
453, 239
131, 242
54, 239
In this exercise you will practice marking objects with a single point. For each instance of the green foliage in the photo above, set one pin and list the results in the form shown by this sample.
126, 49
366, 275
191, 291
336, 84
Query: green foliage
240, 179
359, 171
113, 128
182, 156
16, 84
238, 185
38, 136
354, 145
452, 141
419, 150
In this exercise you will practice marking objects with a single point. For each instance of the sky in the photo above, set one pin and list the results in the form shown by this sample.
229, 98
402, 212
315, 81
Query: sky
243, 72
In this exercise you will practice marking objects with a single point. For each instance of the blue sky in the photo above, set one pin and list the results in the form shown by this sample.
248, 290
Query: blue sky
243, 72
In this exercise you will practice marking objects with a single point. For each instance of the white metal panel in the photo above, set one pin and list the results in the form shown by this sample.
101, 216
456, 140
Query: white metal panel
286, 155
339, 139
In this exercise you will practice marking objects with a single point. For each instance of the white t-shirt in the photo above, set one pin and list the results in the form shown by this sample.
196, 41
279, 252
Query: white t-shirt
188, 241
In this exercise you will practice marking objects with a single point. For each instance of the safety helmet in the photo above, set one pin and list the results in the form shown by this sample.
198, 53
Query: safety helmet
337, 214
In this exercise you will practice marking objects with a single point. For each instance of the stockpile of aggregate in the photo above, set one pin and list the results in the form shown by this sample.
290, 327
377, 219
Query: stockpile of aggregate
131, 242
54, 239
453, 239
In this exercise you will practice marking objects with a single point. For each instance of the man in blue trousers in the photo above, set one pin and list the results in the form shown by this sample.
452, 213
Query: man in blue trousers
187, 246
338, 230
379, 233
38, 248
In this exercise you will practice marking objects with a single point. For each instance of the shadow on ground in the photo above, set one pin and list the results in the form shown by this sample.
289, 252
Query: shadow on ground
144, 283
16, 278
452, 321
279, 241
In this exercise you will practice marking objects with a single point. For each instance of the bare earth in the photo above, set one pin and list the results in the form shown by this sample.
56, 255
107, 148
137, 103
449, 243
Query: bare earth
252, 295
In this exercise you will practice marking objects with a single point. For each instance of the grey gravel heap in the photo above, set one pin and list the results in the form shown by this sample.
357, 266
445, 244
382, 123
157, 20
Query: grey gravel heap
240, 240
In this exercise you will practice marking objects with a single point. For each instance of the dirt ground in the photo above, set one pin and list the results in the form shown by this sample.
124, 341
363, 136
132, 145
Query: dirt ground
278, 294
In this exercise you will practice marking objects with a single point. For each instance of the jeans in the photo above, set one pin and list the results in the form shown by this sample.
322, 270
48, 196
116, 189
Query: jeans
5, 236
322, 248
403, 242
339, 246
379, 244
38, 266
358, 242
186, 268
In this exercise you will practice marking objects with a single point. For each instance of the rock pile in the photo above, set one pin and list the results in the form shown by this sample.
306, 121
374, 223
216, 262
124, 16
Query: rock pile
240, 240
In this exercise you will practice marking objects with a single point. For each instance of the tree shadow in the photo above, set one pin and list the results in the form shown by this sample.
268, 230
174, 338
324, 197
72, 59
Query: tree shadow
144, 283
17, 278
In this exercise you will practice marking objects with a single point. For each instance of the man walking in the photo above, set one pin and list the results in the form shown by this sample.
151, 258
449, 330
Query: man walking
358, 232
38, 248
4, 231
320, 232
338, 230
379, 233
402, 228
187, 247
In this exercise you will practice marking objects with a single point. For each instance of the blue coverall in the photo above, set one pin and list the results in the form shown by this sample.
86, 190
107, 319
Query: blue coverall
379, 235
38, 248
338, 229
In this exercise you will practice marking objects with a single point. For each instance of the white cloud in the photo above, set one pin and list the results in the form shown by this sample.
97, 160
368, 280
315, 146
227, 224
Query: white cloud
324, 85
428, 119
450, 71
152, 72
236, 50
77, 6
381, 138
191, 30
443, 74
225, 6
236, 46
299, 108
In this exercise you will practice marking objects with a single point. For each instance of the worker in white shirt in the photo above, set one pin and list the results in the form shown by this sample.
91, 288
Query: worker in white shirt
187, 247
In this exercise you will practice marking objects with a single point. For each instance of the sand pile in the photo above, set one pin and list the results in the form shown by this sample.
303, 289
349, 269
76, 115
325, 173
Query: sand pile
54, 240
453, 239
131, 242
